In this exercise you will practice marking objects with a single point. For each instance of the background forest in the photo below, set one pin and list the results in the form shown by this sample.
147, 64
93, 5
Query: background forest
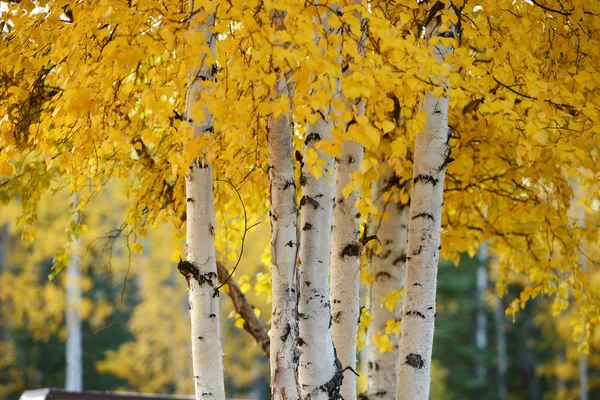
135, 319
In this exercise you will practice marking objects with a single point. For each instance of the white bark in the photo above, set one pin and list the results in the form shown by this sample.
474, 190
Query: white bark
284, 250
319, 370
345, 264
388, 268
200, 268
432, 152
74, 351
481, 322
346, 251
501, 352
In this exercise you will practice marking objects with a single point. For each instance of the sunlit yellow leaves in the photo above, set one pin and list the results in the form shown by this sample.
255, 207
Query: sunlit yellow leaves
393, 327
383, 342
391, 299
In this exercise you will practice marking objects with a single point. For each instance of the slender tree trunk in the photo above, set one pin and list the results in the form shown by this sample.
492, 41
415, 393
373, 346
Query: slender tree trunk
432, 152
481, 322
200, 269
501, 352
346, 250
319, 370
5, 330
345, 264
388, 268
74, 350
284, 246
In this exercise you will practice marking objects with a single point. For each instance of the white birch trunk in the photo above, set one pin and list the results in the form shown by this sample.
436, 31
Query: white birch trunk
388, 268
284, 250
200, 268
432, 152
74, 351
345, 264
346, 250
501, 352
481, 321
319, 370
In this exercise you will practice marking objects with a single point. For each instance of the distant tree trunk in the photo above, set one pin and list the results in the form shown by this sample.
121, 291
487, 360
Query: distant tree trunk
501, 352
284, 249
561, 384
388, 268
481, 322
200, 268
319, 370
432, 152
5, 334
74, 351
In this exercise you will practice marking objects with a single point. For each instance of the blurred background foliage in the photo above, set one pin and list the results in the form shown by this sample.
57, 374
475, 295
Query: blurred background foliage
136, 328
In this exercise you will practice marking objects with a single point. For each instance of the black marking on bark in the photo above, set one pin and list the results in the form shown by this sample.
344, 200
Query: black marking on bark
302, 316
351, 160
416, 252
440, 247
345, 68
289, 184
299, 158
415, 313
448, 135
385, 254
319, 196
336, 301
401, 259
190, 270
333, 387
350, 250
290, 244
415, 360
309, 200
357, 215
286, 333
382, 274
423, 215
430, 308
330, 320
312, 136
360, 313
212, 315
200, 338
307, 227
301, 342
302, 179
425, 179
447, 159
417, 284
190, 200
408, 258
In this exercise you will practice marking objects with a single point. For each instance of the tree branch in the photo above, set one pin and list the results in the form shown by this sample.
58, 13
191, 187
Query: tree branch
252, 324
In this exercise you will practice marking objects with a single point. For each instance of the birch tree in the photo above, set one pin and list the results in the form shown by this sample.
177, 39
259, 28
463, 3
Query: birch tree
284, 247
200, 268
320, 371
346, 248
74, 345
432, 153
481, 322
388, 271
